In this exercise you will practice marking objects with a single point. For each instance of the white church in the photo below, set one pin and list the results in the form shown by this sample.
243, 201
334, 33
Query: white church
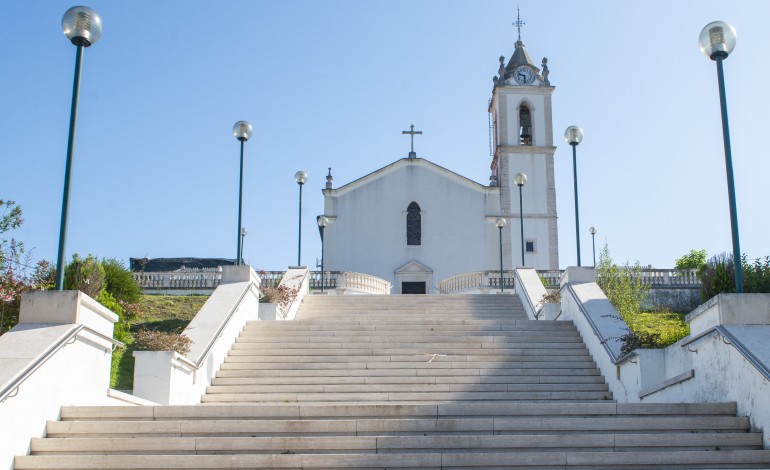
415, 223
392, 381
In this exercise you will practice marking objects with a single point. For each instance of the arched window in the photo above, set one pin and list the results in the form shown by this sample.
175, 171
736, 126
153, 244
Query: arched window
413, 224
525, 125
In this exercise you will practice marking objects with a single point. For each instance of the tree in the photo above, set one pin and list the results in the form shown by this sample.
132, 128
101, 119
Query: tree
756, 275
85, 275
119, 282
11, 250
717, 275
692, 260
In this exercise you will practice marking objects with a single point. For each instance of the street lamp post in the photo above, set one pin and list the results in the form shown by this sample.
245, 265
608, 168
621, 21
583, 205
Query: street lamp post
500, 223
717, 41
322, 223
574, 135
244, 231
592, 231
521, 180
242, 131
300, 177
83, 27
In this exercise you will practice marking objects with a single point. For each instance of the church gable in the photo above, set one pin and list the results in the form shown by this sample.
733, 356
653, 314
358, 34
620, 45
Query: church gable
405, 165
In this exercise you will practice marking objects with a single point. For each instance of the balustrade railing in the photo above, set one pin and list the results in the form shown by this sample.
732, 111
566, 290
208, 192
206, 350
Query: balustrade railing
550, 277
197, 278
670, 277
330, 280
178, 280
363, 283
479, 280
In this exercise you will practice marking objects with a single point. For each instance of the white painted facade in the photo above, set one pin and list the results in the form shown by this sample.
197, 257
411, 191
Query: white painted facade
368, 229
368, 217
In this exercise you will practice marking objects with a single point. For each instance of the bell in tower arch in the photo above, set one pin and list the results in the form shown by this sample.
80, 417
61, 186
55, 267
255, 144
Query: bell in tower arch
525, 124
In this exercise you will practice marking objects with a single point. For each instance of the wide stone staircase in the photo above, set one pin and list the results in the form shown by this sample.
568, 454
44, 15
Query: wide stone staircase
404, 382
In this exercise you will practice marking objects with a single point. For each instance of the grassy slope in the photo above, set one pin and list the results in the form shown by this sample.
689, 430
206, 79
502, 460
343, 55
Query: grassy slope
670, 327
161, 313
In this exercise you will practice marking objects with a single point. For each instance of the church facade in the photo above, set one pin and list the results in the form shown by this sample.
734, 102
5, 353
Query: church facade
415, 223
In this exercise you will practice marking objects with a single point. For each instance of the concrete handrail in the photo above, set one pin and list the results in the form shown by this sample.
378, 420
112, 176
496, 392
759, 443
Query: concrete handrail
734, 342
524, 295
252, 288
11, 387
604, 340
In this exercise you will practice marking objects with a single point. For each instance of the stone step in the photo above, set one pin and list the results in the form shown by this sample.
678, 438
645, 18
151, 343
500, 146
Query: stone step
396, 426
349, 323
421, 387
411, 319
258, 336
416, 460
323, 380
297, 411
458, 341
404, 396
540, 442
374, 364
324, 349
424, 355
353, 372
410, 314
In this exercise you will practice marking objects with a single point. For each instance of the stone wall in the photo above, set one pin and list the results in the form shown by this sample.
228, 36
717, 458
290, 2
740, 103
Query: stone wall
679, 299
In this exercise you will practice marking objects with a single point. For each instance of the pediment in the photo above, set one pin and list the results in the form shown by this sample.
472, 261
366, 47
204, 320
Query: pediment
406, 163
414, 267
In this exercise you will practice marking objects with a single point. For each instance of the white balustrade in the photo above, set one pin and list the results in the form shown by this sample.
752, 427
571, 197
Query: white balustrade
363, 283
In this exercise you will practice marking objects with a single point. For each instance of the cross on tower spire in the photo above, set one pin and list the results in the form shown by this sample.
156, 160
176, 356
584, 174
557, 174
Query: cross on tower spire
518, 23
411, 132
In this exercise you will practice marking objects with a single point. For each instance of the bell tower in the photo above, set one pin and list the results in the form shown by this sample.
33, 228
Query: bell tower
520, 110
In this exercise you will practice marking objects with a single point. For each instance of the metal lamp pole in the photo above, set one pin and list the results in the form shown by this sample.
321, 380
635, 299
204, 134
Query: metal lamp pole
717, 41
322, 223
592, 231
242, 131
244, 231
521, 180
500, 223
574, 135
300, 177
83, 27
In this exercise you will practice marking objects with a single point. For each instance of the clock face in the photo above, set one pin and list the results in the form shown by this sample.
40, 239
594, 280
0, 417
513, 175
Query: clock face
524, 75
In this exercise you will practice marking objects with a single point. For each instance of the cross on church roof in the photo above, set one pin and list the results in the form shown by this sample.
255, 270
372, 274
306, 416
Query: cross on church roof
518, 23
412, 133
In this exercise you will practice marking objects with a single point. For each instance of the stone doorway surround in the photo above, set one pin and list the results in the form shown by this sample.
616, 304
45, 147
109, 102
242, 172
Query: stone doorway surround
414, 271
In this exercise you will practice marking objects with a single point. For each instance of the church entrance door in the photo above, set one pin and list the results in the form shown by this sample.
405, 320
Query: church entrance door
412, 287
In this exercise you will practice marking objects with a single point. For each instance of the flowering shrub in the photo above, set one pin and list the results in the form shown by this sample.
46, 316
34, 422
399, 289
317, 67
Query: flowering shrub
281, 295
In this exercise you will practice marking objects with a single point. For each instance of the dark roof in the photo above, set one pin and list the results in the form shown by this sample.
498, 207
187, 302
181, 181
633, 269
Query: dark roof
154, 265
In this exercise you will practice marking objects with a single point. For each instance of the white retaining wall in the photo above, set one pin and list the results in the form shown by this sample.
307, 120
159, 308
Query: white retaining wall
65, 364
726, 357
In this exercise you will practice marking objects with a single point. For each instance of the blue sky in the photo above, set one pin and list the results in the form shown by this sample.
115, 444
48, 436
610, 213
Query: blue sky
333, 84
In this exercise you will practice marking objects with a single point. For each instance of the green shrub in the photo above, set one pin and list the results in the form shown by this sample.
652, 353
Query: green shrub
756, 275
622, 285
118, 281
717, 275
85, 275
692, 260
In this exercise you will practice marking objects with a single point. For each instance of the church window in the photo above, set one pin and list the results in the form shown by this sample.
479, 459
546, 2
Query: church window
413, 224
525, 125
529, 246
